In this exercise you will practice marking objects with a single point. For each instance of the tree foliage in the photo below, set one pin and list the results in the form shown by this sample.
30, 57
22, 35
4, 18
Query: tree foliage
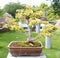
12, 24
51, 15
28, 13
48, 11
56, 6
2, 12
12, 7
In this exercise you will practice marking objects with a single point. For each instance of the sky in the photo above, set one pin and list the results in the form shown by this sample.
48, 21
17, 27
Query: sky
29, 2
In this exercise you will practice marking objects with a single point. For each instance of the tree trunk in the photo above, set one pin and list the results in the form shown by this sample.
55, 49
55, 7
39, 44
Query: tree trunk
29, 32
47, 42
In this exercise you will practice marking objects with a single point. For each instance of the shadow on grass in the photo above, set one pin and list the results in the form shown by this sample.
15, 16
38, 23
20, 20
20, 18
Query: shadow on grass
1, 47
56, 48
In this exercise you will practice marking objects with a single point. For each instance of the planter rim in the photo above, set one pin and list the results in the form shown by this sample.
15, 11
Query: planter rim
23, 47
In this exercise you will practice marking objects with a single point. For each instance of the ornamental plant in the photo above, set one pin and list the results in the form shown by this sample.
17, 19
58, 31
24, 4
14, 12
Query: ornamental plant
12, 24
31, 17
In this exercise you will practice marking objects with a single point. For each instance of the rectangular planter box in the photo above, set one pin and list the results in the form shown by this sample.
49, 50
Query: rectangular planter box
25, 51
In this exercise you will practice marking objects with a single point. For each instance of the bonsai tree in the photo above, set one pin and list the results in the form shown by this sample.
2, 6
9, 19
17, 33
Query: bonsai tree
47, 31
30, 46
31, 17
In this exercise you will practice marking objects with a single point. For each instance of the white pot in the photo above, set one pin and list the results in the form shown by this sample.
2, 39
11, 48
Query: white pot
47, 42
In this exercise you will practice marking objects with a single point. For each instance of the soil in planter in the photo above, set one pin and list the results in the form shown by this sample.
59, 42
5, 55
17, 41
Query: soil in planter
24, 44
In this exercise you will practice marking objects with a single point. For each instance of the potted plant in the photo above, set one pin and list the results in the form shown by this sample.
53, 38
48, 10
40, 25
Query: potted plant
23, 48
30, 47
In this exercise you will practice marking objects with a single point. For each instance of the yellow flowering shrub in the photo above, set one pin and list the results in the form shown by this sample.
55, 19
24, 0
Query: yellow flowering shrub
12, 24
5, 26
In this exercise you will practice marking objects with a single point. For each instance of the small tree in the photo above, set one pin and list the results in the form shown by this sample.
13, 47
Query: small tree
28, 15
31, 18
12, 7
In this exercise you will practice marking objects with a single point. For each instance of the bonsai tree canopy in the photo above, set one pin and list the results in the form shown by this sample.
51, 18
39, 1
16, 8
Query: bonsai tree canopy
31, 17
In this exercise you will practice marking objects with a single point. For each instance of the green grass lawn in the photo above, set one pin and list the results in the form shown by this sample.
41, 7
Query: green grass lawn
7, 37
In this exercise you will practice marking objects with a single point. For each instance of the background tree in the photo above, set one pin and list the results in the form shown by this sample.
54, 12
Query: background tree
51, 15
56, 6
2, 11
12, 7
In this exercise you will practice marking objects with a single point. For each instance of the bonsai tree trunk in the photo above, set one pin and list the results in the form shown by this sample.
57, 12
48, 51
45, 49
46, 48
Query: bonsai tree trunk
29, 33
37, 28
29, 39
47, 42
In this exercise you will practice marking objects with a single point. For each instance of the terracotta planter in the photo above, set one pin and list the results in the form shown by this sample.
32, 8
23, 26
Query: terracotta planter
25, 51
